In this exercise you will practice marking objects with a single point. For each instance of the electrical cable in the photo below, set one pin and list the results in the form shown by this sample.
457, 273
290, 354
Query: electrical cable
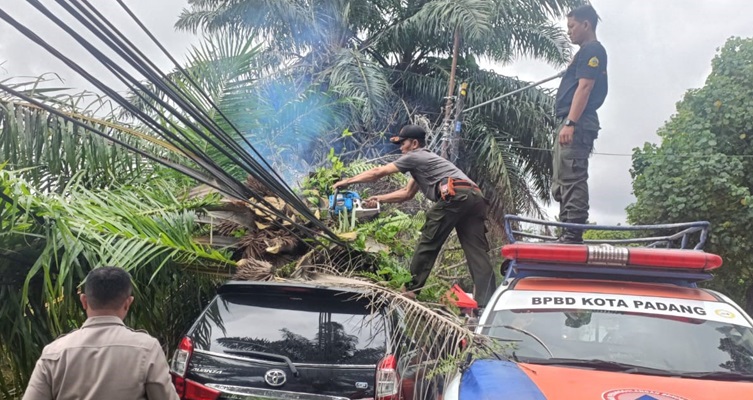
188, 148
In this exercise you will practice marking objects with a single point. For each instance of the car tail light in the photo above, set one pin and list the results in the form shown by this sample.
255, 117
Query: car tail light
181, 357
197, 391
386, 379
179, 365
618, 256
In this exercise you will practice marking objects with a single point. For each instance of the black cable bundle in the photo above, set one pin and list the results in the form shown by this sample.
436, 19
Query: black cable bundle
180, 106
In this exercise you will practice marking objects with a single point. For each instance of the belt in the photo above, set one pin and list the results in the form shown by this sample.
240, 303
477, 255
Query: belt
447, 186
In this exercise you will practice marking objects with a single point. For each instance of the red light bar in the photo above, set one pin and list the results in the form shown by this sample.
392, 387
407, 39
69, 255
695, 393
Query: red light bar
609, 255
540, 252
673, 258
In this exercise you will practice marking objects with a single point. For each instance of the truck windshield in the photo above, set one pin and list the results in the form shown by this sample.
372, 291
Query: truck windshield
680, 345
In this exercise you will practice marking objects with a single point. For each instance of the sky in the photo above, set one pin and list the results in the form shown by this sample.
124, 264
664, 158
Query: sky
657, 49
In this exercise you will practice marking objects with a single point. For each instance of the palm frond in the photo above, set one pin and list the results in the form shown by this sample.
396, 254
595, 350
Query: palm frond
437, 340
363, 84
499, 30
544, 41
472, 16
51, 150
50, 241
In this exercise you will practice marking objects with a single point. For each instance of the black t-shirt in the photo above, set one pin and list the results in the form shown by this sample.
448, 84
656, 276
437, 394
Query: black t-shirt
590, 62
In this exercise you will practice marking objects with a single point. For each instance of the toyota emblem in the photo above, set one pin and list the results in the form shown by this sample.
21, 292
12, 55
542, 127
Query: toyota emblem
275, 377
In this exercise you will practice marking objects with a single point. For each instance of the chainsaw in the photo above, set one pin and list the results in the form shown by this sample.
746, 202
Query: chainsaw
350, 202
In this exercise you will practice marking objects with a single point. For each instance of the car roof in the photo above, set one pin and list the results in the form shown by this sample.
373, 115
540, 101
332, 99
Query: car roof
612, 287
318, 281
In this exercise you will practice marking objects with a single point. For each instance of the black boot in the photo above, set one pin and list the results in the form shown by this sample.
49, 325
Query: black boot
571, 235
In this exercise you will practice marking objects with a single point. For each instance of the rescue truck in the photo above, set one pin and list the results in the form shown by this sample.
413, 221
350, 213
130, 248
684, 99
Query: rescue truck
623, 320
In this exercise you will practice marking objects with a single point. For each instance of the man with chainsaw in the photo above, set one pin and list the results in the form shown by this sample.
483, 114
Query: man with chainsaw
581, 92
459, 204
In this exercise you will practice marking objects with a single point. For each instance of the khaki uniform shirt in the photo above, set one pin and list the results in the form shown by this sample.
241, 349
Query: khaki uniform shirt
103, 359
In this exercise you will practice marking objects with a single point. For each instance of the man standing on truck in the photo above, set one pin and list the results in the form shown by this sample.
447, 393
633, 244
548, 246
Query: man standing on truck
581, 92
460, 205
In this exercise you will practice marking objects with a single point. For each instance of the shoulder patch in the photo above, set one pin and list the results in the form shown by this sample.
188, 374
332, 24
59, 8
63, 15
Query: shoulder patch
593, 62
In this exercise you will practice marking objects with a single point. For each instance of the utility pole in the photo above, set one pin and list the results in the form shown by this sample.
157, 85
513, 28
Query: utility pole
449, 100
452, 125
458, 125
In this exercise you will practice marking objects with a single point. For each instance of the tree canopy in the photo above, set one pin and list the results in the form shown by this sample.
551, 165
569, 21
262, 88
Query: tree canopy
701, 168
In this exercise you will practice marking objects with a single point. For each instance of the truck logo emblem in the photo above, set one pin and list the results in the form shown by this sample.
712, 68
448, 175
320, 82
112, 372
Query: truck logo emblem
275, 377
638, 394
362, 385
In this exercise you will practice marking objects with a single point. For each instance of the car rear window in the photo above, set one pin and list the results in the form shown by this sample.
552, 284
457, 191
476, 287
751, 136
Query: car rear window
318, 327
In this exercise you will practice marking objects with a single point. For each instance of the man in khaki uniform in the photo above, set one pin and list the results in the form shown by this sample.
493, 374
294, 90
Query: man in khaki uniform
103, 359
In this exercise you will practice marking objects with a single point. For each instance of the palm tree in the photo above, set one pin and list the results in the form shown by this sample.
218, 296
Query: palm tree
71, 200
387, 60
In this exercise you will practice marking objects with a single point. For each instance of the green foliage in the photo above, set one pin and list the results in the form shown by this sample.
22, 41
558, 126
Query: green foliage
395, 229
48, 151
608, 235
319, 182
50, 242
701, 169
389, 237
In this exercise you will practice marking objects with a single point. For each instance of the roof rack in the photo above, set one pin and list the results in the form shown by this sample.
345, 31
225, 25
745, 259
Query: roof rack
685, 231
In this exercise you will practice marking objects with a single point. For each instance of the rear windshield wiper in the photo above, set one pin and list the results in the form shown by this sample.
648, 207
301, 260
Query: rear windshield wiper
607, 365
267, 355
719, 375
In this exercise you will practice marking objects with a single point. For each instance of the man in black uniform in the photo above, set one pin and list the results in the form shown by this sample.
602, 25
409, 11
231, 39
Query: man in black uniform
581, 92
460, 205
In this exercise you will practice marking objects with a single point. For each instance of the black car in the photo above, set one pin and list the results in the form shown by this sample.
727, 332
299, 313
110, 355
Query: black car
293, 340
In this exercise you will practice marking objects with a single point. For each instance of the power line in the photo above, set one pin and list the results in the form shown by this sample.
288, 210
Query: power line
559, 74
685, 155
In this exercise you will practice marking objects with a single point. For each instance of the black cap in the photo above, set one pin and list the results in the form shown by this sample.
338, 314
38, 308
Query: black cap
409, 132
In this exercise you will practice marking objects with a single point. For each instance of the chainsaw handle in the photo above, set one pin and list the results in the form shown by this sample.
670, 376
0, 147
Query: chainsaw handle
377, 202
333, 203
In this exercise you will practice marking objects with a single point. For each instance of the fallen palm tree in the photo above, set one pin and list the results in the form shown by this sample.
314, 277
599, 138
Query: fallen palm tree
244, 221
